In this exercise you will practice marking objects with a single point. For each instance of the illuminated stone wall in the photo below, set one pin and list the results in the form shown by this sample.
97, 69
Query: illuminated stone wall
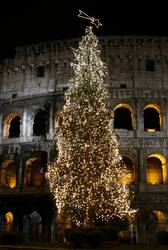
35, 80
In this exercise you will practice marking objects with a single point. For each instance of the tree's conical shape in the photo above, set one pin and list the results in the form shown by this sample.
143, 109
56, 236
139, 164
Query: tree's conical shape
86, 177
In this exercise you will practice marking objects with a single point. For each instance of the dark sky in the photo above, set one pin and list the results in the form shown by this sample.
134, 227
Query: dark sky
26, 22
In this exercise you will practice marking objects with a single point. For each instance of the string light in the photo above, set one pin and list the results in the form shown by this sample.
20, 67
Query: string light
85, 179
92, 20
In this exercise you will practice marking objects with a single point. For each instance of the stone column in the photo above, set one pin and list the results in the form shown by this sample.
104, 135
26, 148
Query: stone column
20, 181
51, 118
142, 170
139, 120
51, 80
1, 128
141, 227
24, 123
18, 158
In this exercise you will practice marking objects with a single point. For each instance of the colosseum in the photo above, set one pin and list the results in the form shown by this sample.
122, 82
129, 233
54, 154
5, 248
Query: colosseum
32, 86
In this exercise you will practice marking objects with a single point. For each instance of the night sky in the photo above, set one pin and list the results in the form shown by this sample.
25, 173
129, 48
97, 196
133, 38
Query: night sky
26, 22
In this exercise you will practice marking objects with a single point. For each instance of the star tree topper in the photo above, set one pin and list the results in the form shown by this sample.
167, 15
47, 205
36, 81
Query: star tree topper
93, 20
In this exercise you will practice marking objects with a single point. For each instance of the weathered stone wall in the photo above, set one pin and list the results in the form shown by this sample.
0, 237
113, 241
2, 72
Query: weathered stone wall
128, 81
125, 57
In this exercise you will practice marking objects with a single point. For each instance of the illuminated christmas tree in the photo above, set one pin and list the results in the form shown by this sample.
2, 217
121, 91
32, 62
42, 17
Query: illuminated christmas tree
86, 178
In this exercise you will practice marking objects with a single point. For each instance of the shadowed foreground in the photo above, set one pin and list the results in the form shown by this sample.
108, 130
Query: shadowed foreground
52, 246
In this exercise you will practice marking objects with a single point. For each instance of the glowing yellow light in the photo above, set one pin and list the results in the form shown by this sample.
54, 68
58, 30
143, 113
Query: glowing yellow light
129, 177
161, 220
157, 174
151, 130
9, 217
9, 221
12, 181
86, 176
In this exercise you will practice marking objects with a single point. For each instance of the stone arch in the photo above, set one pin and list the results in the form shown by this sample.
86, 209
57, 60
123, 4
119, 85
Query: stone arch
156, 171
36, 226
152, 118
32, 226
40, 125
130, 170
8, 225
12, 125
8, 174
161, 219
157, 221
123, 117
34, 175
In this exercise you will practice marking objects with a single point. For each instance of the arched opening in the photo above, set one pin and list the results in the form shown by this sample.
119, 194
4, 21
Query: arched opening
14, 129
130, 171
152, 118
8, 221
40, 71
40, 124
156, 169
11, 175
12, 126
161, 219
34, 173
8, 174
123, 117
35, 226
158, 220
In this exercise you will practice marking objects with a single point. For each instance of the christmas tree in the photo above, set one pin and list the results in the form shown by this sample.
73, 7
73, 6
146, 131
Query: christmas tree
86, 178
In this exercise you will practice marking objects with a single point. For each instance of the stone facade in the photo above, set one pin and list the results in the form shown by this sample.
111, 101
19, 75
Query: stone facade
32, 86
